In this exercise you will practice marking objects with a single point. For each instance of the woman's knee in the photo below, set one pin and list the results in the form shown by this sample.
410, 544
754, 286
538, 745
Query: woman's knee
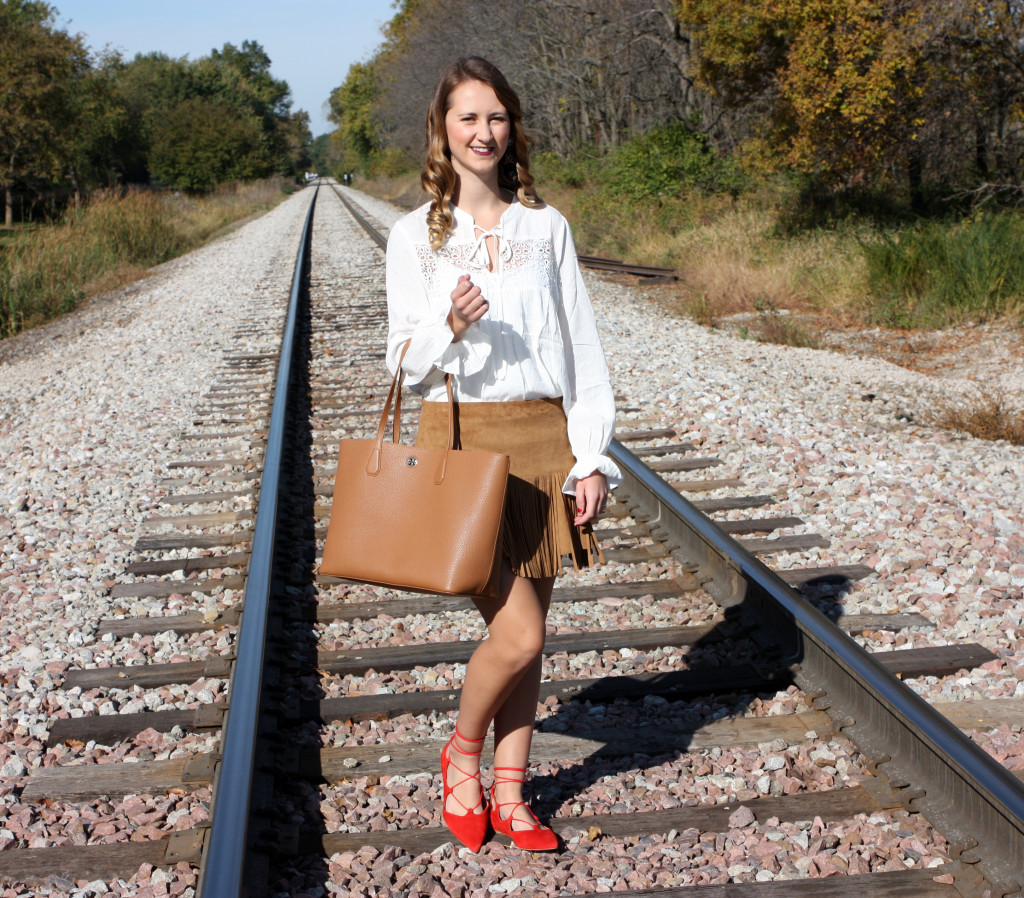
524, 649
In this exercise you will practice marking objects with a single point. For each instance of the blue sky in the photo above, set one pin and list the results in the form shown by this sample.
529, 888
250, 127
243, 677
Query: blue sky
311, 43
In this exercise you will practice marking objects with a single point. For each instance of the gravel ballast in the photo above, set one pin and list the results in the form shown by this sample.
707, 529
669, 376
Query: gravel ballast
91, 411
88, 425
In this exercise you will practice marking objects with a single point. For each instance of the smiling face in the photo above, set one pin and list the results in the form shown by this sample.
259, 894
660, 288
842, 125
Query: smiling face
478, 127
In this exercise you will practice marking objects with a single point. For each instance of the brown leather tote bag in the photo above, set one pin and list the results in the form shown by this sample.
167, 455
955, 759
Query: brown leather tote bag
423, 520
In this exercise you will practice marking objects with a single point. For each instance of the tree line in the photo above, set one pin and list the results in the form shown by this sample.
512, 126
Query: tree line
72, 120
854, 93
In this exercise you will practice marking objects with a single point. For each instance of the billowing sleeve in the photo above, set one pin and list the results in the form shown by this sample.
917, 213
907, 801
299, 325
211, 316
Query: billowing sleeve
590, 407
413, 316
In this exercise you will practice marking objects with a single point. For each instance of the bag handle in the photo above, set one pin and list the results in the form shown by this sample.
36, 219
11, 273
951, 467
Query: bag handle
373, 465
395, 395
442, 468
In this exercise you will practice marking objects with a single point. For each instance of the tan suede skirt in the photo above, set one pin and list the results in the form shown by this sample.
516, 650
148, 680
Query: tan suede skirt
538, 525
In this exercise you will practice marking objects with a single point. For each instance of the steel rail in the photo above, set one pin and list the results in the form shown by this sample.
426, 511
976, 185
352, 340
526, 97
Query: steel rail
375, 235
968, 796
223, 865
650, 272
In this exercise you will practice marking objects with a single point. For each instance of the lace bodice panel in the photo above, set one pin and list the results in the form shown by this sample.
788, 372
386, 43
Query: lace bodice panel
524, 263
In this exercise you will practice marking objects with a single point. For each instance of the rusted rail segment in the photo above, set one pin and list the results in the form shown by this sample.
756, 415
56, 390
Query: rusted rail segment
649, 274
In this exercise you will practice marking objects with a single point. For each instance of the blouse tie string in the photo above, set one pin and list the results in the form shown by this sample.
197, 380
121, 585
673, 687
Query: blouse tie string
480, 256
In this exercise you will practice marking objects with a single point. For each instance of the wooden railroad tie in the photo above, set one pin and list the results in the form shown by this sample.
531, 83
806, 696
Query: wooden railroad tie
936, 661
87, 782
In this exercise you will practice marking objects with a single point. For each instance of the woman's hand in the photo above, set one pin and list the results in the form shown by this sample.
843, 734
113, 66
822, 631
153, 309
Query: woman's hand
591, 497
468, 305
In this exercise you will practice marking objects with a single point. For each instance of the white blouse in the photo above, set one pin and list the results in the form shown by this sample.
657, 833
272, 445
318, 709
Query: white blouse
538, 339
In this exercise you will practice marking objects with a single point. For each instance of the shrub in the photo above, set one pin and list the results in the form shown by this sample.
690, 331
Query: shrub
773, 326
392, 162
984, 413
666, 163
577, 170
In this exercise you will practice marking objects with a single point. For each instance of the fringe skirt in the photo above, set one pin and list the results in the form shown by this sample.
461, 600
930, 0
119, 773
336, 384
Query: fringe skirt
538, 525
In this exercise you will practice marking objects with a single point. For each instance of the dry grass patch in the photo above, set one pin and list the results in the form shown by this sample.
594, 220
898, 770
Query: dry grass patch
737, 262
729, 253
403, 190
112, 241
114, 278
773, 326
987, 414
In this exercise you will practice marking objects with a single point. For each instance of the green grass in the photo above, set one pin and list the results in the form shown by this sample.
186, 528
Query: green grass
942, 273
47, 271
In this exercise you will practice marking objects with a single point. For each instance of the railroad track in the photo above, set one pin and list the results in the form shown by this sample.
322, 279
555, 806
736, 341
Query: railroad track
682, 641
647, 273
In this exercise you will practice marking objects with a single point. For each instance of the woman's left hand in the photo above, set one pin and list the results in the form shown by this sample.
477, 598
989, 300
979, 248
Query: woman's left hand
591, 497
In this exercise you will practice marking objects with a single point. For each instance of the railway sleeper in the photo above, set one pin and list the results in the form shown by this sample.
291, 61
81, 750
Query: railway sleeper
208, 498
188, 565
675, 684
671, 684
105, 861
196, 622
83, 782
898, 884
833, 807
665, 449
932, 660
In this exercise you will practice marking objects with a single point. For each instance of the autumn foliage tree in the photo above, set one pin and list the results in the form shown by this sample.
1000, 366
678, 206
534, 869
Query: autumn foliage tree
824, 85
855, 91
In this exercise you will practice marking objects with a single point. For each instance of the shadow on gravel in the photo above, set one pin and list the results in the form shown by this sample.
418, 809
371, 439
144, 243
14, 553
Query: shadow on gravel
643, 721
827, 595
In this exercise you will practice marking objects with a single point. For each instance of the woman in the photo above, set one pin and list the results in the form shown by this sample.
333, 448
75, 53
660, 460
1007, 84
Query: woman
484, 284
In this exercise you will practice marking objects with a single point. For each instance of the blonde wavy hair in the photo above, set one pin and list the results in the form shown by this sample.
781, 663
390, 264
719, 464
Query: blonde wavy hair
439, 178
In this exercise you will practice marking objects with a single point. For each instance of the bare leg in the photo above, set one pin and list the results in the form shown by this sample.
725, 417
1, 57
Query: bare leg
515, 719
503, 678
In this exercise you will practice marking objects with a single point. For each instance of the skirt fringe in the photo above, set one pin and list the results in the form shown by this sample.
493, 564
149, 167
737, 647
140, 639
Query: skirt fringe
538, 527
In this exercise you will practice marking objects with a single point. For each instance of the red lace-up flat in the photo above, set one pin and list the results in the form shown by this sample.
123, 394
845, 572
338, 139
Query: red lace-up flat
469, 828
536, 837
